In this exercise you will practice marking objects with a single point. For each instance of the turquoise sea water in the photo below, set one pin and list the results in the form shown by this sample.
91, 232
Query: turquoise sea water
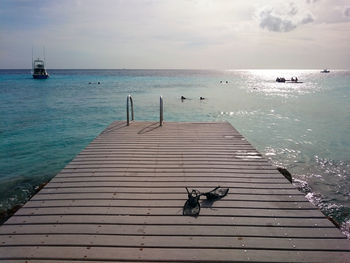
303, 127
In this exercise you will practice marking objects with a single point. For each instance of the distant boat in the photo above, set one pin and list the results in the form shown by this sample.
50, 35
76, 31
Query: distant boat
325, 71
39, 71
292, 80
38, 67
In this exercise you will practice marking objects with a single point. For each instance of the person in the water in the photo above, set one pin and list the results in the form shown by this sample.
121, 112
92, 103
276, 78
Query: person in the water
183, 98
201, 98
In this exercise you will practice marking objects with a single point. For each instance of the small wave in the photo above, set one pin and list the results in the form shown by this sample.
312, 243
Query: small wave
345, 228
304, 187
338, 212
238, 113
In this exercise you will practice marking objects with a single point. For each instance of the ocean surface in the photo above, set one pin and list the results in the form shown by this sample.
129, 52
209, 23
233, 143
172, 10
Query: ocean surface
304, 127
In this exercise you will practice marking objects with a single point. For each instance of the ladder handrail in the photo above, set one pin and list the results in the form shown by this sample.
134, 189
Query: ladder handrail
129, 98
161, 111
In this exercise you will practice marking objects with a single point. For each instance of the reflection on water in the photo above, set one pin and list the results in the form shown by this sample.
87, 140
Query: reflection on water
303, 127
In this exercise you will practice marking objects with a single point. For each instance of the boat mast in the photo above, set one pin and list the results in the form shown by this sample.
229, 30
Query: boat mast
32, 60
44, 56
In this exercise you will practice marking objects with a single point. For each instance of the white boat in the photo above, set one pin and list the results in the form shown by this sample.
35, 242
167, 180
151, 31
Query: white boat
39, 71
325, 71
38, 67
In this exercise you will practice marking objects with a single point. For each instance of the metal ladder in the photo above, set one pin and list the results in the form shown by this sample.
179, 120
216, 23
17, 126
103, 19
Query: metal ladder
130, 101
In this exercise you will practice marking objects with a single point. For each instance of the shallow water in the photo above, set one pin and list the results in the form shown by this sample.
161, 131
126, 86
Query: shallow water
303, 127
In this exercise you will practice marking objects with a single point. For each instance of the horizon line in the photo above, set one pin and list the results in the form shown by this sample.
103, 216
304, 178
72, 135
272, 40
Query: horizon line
236, 69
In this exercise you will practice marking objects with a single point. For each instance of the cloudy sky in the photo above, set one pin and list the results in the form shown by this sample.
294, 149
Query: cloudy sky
199, 34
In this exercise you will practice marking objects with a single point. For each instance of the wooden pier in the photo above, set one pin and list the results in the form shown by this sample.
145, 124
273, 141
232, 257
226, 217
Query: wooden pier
121, 198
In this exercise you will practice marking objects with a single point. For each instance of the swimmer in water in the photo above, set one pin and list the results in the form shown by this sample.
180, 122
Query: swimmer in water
201, 98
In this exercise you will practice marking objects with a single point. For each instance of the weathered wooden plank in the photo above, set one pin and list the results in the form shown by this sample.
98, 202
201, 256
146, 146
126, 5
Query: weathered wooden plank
181, 184
165, 170
111, 159
176, 242
166, 145
146, 155
172, 230
160, 148
173, 175
161, 191
205, 143
172, 172
233, 173
146, 162
159, 254
172, 220
243, 159
231, 212
174, 165
56, 195
164, 151
169, 203
168, 179
41, 260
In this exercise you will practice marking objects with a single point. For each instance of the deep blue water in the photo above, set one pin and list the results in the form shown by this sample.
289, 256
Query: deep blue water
302, 127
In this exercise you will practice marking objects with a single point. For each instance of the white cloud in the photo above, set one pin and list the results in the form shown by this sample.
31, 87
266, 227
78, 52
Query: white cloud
283, 18
347, 12
312, 1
